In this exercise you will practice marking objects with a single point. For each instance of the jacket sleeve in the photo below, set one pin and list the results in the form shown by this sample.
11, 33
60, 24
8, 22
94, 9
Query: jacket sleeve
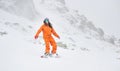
39, 30
54, 33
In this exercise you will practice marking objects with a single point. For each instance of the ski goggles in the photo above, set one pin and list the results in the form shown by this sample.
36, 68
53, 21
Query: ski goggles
46, 21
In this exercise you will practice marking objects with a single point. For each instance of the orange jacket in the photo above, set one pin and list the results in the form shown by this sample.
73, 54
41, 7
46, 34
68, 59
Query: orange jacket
47, 31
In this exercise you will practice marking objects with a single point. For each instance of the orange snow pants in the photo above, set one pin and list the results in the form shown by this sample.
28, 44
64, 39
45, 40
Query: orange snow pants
50, 41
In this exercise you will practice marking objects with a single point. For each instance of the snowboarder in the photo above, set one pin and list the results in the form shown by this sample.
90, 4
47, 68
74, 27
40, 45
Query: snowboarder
48, 30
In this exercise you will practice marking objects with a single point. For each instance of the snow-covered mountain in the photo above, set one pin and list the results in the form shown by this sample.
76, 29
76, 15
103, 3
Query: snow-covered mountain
82, 46
33, 8
23, 8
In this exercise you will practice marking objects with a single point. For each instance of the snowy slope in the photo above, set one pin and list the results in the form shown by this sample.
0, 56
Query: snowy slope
19, 50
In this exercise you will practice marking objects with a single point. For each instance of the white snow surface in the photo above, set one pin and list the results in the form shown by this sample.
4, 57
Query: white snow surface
78, 51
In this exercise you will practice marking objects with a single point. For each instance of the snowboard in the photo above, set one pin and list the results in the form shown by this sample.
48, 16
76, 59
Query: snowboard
50, 56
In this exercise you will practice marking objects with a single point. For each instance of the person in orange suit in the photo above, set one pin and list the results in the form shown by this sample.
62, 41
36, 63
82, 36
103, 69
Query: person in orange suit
48, 30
